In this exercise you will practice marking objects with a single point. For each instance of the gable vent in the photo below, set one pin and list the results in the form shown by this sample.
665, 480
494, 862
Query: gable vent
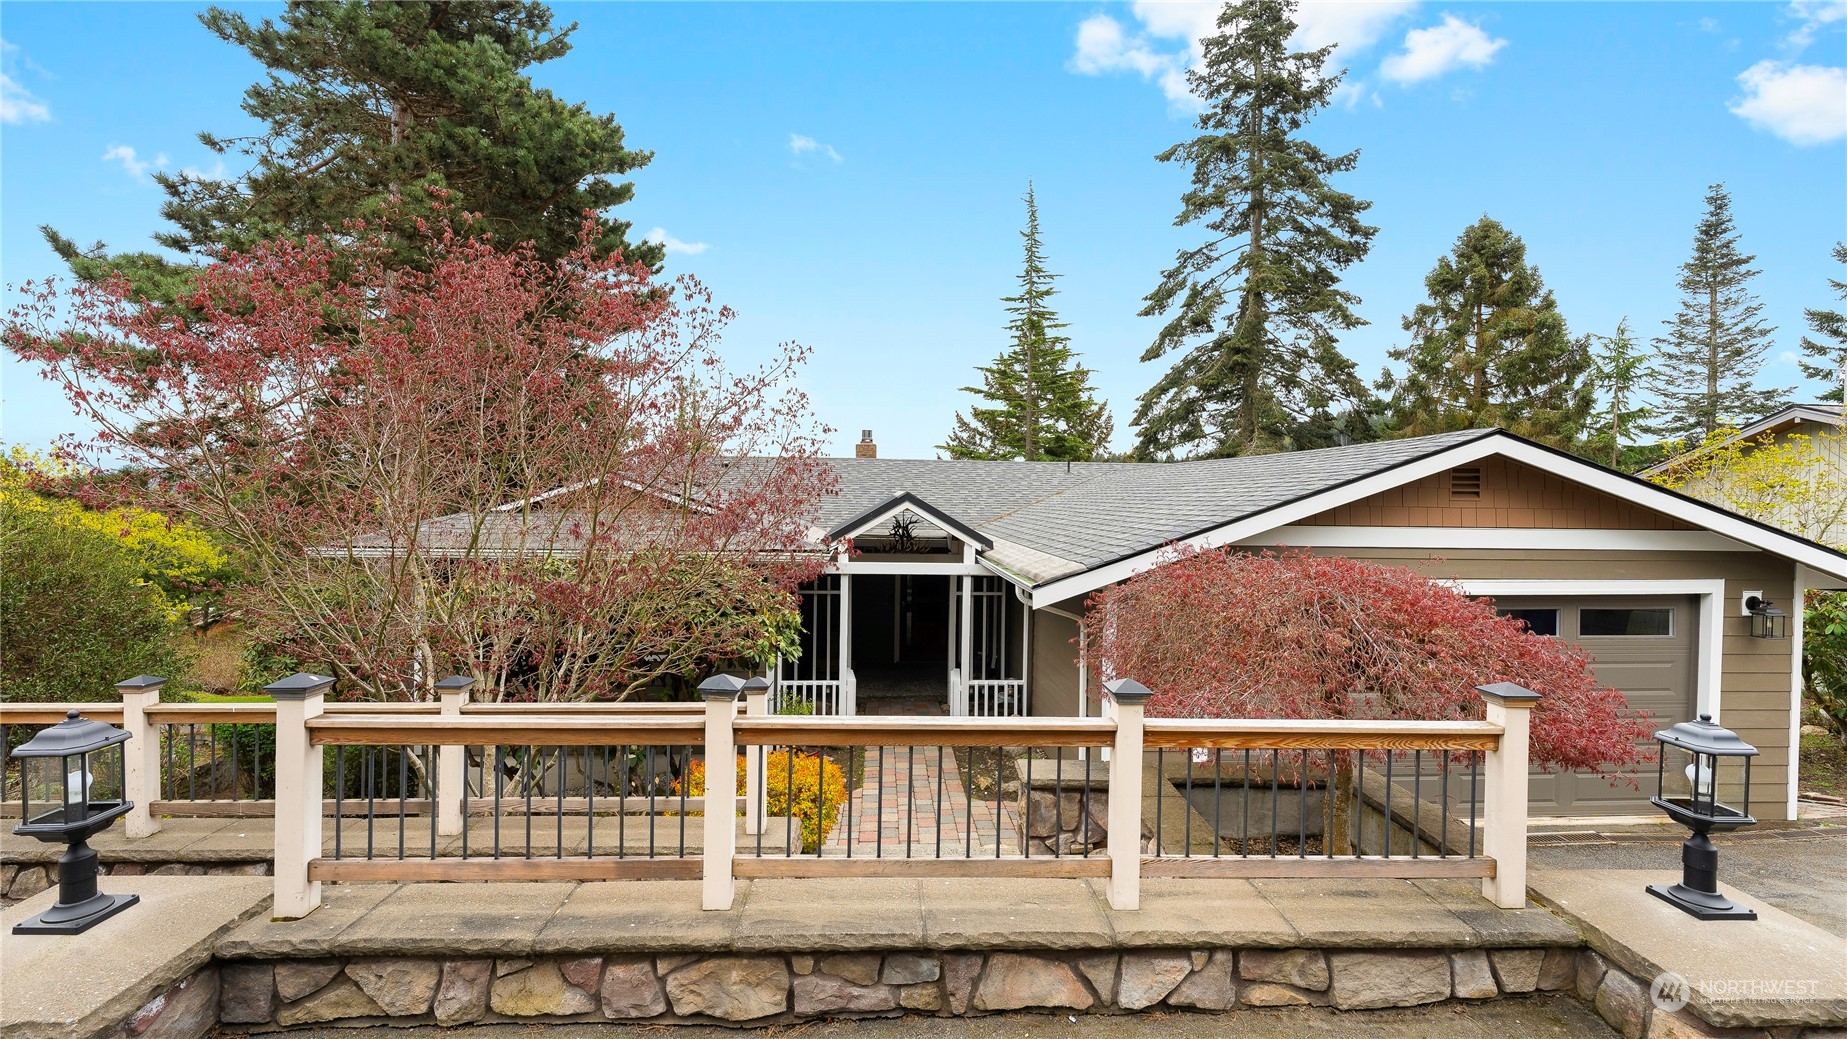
1465, 482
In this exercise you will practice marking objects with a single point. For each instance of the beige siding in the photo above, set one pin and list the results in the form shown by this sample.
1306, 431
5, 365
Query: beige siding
1054, 674
1512, 495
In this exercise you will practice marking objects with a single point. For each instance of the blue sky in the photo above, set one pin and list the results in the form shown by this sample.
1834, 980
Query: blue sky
849, 176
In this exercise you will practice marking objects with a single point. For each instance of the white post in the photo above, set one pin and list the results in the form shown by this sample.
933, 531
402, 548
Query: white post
847, 706
950, 650
965, 634
1503, 799
1123, 702
298, 697
757, 705
721, 784
141, 769
1026, 657
451, 794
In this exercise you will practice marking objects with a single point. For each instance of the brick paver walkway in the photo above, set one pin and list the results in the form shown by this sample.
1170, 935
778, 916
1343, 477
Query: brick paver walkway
913, 802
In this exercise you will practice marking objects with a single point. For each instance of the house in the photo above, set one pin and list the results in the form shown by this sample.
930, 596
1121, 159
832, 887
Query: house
1815, 435
967, 580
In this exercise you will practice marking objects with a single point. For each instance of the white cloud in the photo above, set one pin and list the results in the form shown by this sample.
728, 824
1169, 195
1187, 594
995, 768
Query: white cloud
801, 143
1351, 26
1444, 47
135, 166
659, 236
1803, 104
17, 104
1814, 15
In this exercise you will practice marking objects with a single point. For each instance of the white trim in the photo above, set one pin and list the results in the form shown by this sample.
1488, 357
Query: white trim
1522, 538
1800, 599
1641, 494
914, 569
1710, 653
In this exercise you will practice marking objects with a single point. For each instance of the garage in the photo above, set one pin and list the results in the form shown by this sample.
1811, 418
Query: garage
1645, 648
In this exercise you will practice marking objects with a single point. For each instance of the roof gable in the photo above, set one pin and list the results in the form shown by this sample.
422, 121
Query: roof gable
908, 502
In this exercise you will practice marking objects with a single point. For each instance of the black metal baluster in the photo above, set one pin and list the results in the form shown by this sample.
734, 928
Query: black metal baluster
339, 796
1085, 821
1058, 802
878, 812
1301, 808
852, 789
1388, 804
403, 790
1160, 788
1244, 837
1417, 797
558, 760
192, 761
532, 753
1327, 813
1218, 801
1474, 795
234, 793
499, 789
1276, 771
820, 802
910, 797
763, 801
1000, 814
1443, 841
166, 735
1187, 801
968, 795
590, 798
371, 797
1026, 808
788, 822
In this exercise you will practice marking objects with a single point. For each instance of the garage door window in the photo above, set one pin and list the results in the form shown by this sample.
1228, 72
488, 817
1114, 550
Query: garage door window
1655, 623
1539, 622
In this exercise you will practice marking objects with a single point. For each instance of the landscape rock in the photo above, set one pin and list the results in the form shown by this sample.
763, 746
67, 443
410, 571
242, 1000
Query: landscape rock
1589, 974
906, 968
801, 963
502, 968
539, 991
295, 979
1147, 977
178, 869
858, 968
1367, 980
246, 993
1199, 958
1301, 968
29, 881
462, 995
1100, 971
1014, 982
1517, 969
239, 869
1267, 994
585, 972
342, 999
959, 974
927, 996
1559, 971
1212, 987
668, 964
401, 987
1623, 1003
631, 989
1471, 977
821, 993
188, 1010
731, 988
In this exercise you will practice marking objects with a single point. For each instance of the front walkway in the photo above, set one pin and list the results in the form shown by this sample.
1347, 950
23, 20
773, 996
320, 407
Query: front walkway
913, 802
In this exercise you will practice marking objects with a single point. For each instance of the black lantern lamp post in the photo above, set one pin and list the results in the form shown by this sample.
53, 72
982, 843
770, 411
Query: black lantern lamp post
64, 774
1706, 747
1767, 622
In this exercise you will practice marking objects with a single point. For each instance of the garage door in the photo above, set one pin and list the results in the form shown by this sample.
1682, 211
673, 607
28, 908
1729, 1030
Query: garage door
1642, 646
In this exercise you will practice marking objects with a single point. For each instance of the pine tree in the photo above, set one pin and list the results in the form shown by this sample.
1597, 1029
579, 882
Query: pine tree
1044, 407
1490, 348
1254, 310
429, 102
1618, 367
1830, 358
1716, 343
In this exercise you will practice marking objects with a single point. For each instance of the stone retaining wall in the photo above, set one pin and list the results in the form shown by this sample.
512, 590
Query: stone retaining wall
769, 989
20, 881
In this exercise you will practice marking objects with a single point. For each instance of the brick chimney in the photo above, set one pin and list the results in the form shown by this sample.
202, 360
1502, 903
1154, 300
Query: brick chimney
865, 448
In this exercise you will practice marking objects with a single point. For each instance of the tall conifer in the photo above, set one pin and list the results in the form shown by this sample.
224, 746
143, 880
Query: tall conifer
1826, 358
1490, 348
1043, 406
1254, 310
1715, 345
1618, 367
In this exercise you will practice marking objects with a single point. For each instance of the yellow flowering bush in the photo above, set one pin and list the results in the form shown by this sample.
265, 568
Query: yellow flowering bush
811, 772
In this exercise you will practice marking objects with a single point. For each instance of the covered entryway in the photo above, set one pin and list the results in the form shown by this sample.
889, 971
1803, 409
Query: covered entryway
1645, 648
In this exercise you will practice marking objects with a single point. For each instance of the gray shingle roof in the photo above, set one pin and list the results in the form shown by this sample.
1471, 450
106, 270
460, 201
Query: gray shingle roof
1098, 512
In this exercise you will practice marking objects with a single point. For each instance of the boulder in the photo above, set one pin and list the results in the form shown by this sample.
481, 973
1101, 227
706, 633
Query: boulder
1269, 994
631, 989
1212, 987
927, 996
1470, 975
188, 1010
819, 993
1367, 980
246, 993
1100, 971
858, 968
1589, 974
400, 987
1147, 977
959, 973
462, 995
300, 978
908, 968
1015, 982
1623, 1003
731, 988
341, 999
29, 881
1301, 968
584, 971
538, 991
1559, 971
1517, 969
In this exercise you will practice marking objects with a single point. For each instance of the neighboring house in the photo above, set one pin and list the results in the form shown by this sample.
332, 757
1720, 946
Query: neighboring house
967, 579
1822, 431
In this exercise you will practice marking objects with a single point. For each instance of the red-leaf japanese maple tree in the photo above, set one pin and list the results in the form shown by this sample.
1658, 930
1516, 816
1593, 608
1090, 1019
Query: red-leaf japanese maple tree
1227, 634
537, 472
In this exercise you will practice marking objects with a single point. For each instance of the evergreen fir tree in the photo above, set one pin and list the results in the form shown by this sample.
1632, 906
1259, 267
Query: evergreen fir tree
1044, 408
1490, 348
1254, 310
1714, 347
1829, 362
430, 102
1618, 367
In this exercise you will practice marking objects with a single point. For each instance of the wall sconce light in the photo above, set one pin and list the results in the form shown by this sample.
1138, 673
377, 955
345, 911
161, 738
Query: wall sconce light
1767, 622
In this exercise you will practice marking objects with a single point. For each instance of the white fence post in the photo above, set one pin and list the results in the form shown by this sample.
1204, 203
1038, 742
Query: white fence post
757, 705
141, 769
1123, 702
721, 784
1503, 798
298, 697
451, 793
